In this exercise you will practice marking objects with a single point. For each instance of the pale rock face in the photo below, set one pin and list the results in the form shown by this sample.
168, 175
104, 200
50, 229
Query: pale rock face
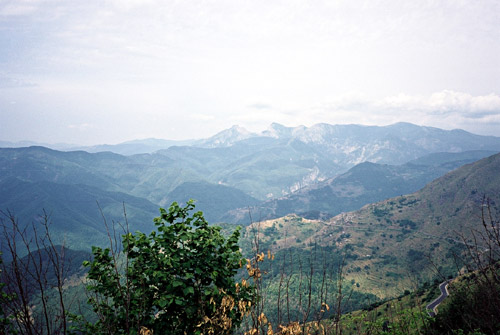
276, 130
227, 137
311, 178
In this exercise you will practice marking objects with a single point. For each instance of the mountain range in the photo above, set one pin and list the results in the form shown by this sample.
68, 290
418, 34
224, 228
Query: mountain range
283, 159
316, 172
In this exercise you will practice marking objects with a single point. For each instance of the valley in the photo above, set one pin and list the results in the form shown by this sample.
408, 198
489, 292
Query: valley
387, 208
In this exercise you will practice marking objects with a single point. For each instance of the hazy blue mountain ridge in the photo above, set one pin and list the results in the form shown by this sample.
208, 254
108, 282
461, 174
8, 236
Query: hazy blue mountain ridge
364, 183
275, 163
213, 200
263, 167
306, 155
74, 209
232, 172
134, 147
127, 148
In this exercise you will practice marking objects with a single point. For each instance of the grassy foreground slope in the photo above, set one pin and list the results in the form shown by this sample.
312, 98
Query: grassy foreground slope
402, 242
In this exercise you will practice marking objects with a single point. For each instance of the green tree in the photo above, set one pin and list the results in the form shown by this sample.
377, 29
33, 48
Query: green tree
178, 279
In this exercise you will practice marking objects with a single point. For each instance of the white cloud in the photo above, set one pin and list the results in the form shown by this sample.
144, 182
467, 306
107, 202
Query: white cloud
488, 104
447, 102
442, 103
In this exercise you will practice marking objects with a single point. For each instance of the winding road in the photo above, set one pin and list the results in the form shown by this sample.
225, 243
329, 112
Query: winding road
431, 308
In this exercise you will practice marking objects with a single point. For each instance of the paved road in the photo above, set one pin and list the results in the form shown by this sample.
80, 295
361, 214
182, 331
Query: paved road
431, 308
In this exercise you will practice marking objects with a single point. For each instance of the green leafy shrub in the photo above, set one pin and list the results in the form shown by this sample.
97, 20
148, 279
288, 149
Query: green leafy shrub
178, 279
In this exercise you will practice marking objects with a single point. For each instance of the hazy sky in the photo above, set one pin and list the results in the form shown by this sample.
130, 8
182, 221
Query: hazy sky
92, 71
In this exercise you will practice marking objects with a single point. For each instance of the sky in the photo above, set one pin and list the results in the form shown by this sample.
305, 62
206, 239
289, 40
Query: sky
107, 71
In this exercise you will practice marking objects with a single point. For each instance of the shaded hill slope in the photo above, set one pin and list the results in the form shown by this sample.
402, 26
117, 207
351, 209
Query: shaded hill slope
365, 183
147, 176
396, 243
212, 200
74, 209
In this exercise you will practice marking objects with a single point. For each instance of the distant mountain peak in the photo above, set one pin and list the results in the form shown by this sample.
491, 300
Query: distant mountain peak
277, 130
239, 129
228, 137
402, 123
276, 125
